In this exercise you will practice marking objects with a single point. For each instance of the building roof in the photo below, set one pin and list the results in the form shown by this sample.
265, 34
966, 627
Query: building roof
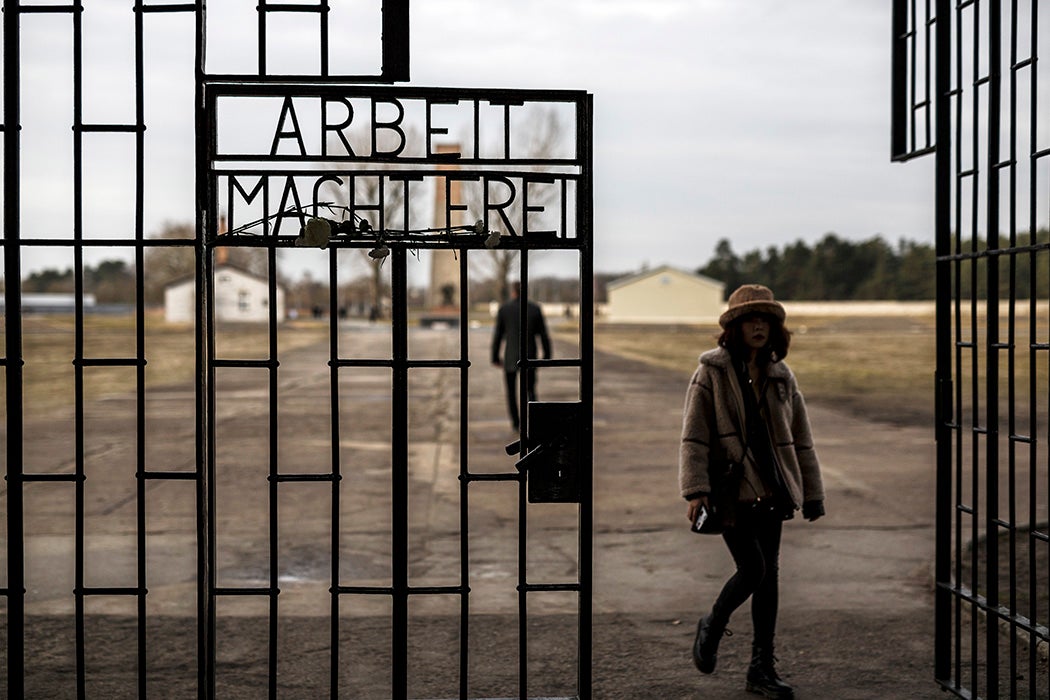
223, 267
662, 270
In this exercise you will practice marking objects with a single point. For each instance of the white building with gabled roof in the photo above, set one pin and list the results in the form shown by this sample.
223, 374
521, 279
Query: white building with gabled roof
239, 296
665, 295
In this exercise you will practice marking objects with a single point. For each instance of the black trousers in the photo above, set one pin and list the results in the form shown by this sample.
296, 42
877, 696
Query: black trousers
511, 380
754, 543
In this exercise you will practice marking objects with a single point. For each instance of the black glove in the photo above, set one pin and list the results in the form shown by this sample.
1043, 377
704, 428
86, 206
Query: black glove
811, 510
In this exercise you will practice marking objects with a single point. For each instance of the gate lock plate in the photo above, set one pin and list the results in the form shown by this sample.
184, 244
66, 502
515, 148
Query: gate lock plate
553, 464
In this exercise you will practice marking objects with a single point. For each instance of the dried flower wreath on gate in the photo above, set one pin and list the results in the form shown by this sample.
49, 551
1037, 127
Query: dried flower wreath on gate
320, 231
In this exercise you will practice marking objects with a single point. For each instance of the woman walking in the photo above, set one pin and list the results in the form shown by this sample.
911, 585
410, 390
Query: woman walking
746, 437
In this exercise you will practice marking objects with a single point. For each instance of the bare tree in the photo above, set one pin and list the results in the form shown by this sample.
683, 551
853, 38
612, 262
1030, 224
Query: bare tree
166, 263
541, 134
366, 191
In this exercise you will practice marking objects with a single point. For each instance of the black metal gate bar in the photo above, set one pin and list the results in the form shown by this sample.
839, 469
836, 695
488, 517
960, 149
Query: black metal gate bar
399, 472
525, 364
993, 521
15, 591
333, 358
464, 483
585, 221
949, 349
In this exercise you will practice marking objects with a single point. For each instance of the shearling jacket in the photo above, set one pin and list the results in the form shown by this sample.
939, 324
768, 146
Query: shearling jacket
713, 428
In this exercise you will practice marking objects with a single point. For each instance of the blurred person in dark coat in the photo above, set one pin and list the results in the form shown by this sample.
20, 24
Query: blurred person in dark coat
508, 335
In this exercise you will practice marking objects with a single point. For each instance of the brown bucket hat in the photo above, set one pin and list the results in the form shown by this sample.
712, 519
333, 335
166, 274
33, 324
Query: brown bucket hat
751, 299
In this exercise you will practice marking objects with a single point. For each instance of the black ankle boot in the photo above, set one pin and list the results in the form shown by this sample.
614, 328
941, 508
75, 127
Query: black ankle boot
705, 646
762, 676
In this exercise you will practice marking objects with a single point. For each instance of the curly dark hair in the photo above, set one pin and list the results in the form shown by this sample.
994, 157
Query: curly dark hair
776, 348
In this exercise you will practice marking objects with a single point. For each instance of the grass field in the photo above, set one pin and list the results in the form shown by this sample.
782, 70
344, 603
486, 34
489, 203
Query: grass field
877, 366
880, 367
49, 346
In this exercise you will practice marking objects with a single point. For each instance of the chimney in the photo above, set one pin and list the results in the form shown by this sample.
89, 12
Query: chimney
222, 253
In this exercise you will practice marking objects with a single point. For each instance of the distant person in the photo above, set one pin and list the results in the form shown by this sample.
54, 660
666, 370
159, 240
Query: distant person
747, 451
508, 334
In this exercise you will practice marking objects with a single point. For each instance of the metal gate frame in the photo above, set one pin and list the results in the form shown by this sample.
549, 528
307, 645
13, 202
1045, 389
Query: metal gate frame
962, 73
394, 68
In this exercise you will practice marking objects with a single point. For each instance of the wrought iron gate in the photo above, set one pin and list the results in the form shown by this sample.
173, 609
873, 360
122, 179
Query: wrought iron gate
966, 87
284, 190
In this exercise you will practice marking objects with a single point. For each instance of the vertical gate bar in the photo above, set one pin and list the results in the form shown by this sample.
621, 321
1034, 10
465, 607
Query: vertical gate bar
944, 419
955, 149
13, 366
1033, 485
78, 346
975, 360
399, 472
261, 43
992, 352
525, 366
585, 132
930, 87
464, 483
1011, 343
333, 355
913, 64
899, 82
140, 345
206, 483
206, 136
975, 405
396, 41
274, 485
324, 38
1012, 425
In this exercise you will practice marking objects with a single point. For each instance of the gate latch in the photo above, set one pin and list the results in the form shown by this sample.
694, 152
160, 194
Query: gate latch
553, 464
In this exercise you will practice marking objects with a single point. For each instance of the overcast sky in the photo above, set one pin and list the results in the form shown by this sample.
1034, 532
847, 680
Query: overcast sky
762, 122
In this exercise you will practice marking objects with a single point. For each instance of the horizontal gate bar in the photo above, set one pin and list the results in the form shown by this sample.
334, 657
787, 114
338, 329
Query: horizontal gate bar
187, 476
284, 478
411, 590
512, 476
166, 8
119, 590
51, 477
109, 362
231, 591
250, 364
549, 587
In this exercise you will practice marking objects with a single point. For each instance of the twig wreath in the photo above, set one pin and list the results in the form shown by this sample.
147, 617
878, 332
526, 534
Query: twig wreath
319, 231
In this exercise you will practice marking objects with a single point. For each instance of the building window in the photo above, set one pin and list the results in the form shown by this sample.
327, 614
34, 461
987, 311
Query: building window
242, 300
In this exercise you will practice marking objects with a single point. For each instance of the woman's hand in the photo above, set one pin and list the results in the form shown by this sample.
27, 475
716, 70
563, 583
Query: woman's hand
811, 510
694, 506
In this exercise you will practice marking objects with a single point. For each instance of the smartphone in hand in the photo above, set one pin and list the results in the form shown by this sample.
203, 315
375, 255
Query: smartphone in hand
701, 518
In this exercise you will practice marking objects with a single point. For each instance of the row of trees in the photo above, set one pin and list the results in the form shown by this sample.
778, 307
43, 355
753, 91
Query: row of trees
831, 269
111, 281
837, 269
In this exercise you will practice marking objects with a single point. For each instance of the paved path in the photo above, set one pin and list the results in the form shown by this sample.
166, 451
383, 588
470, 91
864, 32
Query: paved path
856, 619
